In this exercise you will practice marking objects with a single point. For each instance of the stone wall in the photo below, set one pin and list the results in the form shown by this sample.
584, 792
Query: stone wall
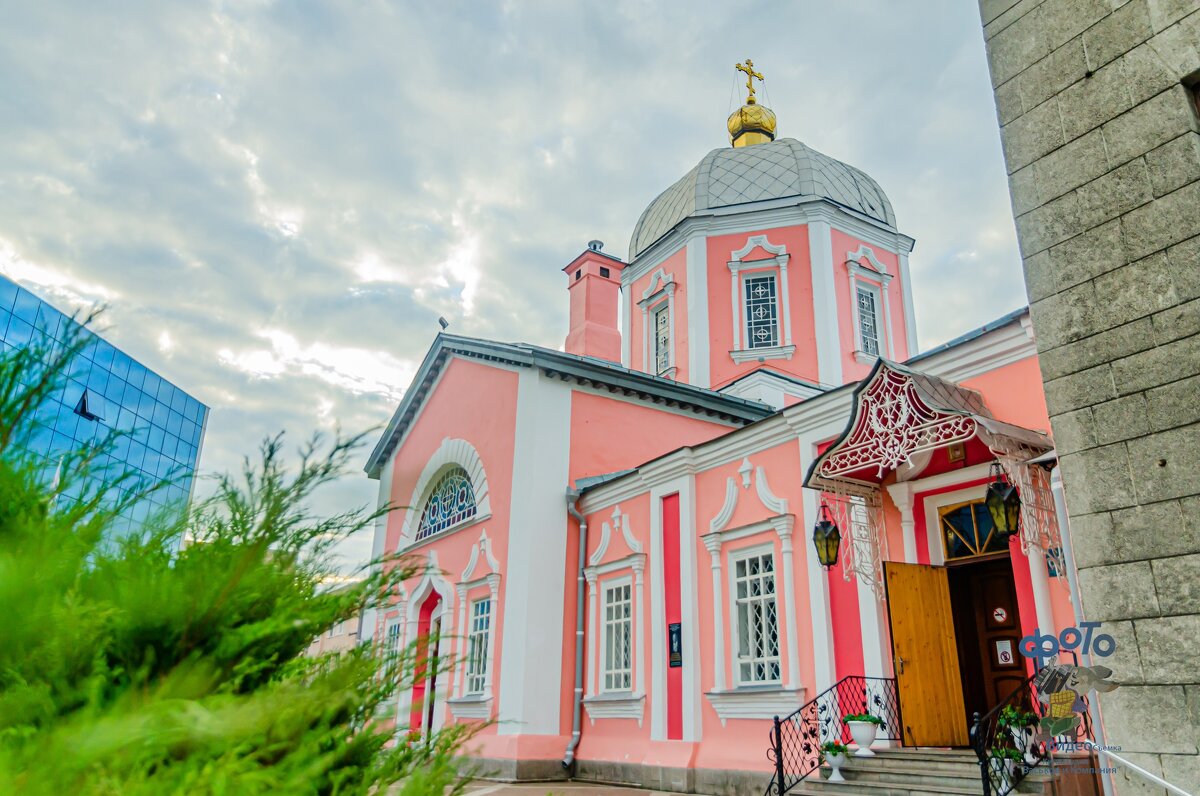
1100, 134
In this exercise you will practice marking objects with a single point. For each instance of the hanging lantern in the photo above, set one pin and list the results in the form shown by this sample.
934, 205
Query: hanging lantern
1003, 502
827, 538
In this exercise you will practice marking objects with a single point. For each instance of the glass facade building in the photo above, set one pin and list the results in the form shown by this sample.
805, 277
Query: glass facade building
107, 389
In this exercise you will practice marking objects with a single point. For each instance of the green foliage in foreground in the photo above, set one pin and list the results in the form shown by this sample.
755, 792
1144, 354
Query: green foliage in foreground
131, 667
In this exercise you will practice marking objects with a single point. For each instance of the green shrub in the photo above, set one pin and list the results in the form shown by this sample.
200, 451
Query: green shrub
130, 666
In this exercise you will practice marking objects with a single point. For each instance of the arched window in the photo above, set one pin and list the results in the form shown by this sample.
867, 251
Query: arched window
451, 501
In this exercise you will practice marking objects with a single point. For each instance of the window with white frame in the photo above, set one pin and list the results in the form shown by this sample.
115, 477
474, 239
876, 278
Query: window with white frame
756, 616
618, 637
477, 645
662, 339
762, 311
392, 639
868, 320
451, 501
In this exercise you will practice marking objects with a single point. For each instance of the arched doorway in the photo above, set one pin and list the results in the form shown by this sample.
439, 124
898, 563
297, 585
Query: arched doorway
425, 675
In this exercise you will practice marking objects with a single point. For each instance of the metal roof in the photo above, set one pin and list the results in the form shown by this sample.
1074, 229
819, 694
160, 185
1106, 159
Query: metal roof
585, 370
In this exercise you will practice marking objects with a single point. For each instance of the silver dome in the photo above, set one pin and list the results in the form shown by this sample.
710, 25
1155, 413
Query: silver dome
780, 169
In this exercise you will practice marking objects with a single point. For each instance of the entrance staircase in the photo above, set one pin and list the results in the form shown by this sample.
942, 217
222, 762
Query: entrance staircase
911, 772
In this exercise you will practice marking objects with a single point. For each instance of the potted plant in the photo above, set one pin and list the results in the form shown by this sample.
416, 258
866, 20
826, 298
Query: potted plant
1021, 726
835, 755
863, 728
1004, 761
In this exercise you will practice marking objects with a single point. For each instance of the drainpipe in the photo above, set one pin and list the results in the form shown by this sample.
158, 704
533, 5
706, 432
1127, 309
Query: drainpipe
576, 715
1068, 552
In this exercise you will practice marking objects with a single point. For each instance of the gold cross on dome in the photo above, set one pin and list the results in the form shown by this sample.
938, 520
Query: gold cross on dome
748, 68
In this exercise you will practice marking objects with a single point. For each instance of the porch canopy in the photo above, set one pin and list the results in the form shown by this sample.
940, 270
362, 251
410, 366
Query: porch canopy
898, 412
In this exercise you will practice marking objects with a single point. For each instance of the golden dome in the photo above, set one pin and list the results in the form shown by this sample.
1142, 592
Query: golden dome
751, 124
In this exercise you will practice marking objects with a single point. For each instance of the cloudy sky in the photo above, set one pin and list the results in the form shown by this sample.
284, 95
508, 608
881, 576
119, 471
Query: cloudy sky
278, 199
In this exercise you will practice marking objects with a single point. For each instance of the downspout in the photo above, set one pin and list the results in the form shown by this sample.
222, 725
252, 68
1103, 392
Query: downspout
1068, 552
576, 714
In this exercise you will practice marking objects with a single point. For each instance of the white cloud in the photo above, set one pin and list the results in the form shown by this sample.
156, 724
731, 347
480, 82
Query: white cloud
278, 200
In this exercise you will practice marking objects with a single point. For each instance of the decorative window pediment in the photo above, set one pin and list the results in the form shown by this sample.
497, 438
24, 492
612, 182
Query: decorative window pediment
762, 323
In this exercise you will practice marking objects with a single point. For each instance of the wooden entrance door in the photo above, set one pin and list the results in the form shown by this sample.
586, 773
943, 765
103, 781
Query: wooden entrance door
925, 655
989, 621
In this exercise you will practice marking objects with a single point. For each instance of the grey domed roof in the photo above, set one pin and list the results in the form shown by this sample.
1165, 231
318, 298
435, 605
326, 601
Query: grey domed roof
734, 176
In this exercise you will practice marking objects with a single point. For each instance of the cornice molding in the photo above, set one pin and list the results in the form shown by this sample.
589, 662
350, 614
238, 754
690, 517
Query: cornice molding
770, 214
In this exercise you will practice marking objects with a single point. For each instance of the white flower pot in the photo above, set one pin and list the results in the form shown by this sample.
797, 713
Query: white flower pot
863, 733
1023, 740
835, 767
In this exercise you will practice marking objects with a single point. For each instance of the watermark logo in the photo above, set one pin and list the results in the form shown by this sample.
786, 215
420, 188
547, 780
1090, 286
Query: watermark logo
1044, 645
1061, 686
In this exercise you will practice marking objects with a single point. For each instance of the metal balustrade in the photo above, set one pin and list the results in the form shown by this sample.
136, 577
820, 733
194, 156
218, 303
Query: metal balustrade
796, 739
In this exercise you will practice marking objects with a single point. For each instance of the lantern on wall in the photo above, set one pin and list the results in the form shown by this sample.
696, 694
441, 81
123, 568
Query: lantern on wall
1003, 501
827, 538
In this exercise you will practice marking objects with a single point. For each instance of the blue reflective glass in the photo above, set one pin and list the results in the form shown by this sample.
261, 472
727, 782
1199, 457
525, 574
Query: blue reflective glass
145, 407
121, 363
178, 400
8, 294
47, 321
174, 422
114, 389
150, 387
137, 453
160, 415
4, 317
126, 420
103, 354
97, 380
26, 307
155, 440
20, 332
137, 374
165, 391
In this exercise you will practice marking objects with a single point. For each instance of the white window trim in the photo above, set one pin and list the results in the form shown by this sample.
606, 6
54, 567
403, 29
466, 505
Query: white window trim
745, 554
863, 267
660, 290
605, 586
476, 705
602, 704
741, 352
860, 343
470, 629
752, 701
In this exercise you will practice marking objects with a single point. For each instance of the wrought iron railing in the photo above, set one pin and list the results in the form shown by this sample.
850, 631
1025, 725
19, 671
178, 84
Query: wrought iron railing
796, 739
998, 770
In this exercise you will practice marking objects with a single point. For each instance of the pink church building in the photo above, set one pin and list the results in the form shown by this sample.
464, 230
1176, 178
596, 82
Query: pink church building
618, 537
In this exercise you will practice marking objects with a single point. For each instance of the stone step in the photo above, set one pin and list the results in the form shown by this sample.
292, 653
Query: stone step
949, 765
812, 787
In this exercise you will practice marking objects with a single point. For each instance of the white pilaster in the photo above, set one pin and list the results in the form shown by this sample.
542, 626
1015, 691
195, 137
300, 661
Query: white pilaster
593, 640
697, 307
530, 691
713, 544
626, 325
902, 495
789, 613
910, 318
463, 640
639, 628
1041, 589
818, 585
825, 316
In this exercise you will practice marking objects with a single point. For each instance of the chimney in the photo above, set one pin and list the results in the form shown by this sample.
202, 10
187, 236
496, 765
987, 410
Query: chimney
594, 282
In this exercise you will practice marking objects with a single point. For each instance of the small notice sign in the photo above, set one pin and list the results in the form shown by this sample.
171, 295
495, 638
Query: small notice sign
1004, 652
675, 642
999, 614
